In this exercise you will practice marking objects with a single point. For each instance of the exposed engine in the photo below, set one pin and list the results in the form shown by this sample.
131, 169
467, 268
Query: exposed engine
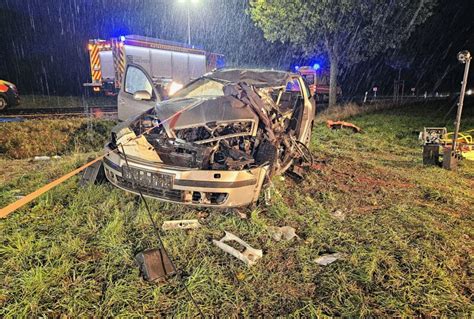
231, 145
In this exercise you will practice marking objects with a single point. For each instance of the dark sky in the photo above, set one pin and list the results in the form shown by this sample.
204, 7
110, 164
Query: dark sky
43, 42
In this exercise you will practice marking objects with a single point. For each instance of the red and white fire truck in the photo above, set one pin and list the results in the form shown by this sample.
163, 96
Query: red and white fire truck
170, 64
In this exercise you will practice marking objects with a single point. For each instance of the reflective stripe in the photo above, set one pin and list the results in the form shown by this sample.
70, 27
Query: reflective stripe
119, 61
95, 63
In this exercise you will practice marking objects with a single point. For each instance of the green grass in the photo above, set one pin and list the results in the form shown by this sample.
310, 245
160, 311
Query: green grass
406, 237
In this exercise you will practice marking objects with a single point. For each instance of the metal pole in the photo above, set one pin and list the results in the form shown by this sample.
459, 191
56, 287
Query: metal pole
189, 26
463, 57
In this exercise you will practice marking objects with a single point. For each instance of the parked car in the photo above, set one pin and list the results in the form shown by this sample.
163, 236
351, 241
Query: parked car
8, 95
216, 142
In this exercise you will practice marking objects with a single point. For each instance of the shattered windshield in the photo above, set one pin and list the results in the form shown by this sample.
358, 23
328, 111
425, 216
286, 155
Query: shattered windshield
201, 87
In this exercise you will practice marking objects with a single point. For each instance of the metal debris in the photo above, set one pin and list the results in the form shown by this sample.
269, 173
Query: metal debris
285, 233
327, 259
180, 224
155, 265
249, 256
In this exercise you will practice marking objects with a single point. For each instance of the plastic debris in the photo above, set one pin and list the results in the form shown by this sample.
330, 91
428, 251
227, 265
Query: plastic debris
338, 214
180, 224
46, 158
341, 124
285, 232
327, 259
249, 256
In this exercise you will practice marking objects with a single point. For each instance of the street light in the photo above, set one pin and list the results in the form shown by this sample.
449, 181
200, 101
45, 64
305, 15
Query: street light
187, 3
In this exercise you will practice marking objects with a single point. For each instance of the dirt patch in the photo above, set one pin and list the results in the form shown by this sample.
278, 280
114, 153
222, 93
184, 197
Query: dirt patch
361, 189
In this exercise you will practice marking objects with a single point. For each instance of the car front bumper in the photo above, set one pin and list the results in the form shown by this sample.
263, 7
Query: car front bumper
208, 188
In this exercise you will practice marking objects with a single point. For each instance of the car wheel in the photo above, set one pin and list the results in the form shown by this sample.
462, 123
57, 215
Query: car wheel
3, 103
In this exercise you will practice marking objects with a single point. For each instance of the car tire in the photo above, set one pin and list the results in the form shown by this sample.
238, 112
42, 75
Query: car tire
3, 103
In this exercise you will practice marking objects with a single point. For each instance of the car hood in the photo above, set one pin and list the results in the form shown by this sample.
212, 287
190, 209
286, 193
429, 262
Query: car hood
188, 112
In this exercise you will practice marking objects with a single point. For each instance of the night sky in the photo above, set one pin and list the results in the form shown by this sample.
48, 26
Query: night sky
43, 42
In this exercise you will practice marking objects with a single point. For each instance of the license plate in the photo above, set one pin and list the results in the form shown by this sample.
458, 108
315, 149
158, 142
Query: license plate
146, 178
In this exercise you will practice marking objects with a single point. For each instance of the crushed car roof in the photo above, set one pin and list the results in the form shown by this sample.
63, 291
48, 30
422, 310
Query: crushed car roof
255, 77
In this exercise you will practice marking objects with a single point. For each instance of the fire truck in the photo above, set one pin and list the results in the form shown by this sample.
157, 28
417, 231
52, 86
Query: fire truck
318, 82
170, 64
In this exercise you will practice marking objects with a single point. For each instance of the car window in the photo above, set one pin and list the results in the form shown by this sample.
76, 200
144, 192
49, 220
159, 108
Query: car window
309, 78
293, 86
201, 87
136, 80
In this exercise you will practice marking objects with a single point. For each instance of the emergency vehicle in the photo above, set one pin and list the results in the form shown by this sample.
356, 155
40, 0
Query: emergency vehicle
8, 95
170, 64
318, 82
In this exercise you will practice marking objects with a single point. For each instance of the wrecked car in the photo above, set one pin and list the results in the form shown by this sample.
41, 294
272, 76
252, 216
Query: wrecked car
217, 142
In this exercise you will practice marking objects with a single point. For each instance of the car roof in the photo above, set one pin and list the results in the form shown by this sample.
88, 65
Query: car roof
255, 77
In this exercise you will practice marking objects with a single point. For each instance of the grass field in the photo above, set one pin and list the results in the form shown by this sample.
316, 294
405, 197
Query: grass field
405, 232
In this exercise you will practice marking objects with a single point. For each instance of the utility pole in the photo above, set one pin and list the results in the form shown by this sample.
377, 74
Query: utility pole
450, 156
465, 58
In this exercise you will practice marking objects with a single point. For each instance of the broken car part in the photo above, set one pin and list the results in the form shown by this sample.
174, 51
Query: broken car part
282, 233
93, 174
155, 265
327, 259
45, 158
180, 224
249, 255
341, 124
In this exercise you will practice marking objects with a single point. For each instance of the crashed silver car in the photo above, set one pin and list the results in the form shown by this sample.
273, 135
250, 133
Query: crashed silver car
217, 142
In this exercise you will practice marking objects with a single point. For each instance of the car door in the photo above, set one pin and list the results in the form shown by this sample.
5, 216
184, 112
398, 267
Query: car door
137, 94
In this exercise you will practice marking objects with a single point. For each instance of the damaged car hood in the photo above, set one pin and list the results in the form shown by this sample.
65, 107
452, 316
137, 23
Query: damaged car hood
189, 112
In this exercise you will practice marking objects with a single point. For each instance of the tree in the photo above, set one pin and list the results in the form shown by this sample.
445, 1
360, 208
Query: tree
347, 31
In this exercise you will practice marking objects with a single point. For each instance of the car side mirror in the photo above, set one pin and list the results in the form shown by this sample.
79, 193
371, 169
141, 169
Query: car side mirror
142, 96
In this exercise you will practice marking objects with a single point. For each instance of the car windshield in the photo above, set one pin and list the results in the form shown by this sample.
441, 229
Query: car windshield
201, 87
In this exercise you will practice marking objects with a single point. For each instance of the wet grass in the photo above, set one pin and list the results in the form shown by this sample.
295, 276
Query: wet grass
406, 237
52, 137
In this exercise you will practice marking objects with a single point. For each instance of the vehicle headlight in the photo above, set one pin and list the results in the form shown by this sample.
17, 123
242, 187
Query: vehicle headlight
469, 92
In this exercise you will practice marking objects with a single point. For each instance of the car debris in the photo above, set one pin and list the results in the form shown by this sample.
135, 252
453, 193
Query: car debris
218, 141
154, 265
282, 233
335, 125
45, 158
93, 174
181, 224
327, 259
249, 256
338, 214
